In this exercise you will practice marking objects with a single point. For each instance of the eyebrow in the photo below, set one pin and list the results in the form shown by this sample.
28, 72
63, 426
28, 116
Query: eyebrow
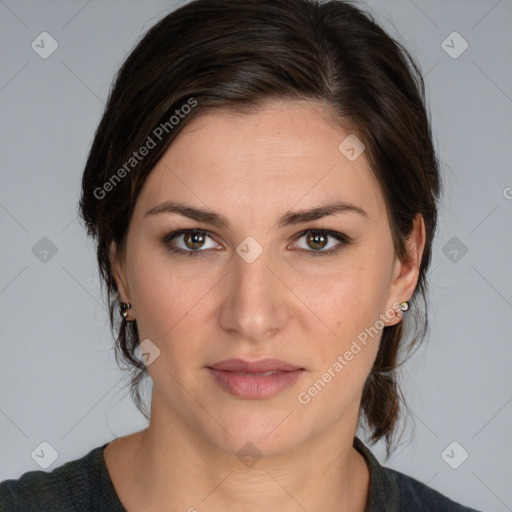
290, 218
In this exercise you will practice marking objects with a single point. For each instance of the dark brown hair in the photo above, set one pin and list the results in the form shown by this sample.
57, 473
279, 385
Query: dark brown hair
236, 55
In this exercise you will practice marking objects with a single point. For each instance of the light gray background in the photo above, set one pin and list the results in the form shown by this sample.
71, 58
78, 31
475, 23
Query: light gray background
58, 378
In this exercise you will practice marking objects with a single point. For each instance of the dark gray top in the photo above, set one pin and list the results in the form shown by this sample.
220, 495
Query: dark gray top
84, 485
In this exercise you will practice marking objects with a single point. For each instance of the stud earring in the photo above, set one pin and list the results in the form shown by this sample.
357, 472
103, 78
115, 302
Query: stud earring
404, 306
125, 306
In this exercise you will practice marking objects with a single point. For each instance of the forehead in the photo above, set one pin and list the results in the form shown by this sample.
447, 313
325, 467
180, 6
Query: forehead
285, 153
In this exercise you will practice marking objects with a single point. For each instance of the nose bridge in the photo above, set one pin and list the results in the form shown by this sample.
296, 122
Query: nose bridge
254, 305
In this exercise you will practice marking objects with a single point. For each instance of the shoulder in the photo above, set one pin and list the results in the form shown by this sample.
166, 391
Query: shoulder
393, 491
76, 485
415, 495
61, 489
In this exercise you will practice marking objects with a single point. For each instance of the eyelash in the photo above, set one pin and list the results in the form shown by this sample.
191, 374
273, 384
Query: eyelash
342, 238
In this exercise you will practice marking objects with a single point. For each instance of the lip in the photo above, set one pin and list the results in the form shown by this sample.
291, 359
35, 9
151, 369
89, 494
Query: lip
252, 379
260, 366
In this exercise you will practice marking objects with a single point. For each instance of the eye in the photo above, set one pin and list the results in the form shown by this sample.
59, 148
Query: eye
318, 240
193, 241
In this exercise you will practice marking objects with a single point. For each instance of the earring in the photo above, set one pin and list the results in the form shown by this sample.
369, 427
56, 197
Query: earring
404, 306
125, 306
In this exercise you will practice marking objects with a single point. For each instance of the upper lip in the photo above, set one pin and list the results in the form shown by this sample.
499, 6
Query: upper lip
260, 366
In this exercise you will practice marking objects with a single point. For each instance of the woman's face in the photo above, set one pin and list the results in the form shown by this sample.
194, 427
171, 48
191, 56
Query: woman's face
261, 279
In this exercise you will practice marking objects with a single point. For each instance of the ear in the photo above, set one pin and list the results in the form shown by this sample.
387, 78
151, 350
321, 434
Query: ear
406, 273
117, 261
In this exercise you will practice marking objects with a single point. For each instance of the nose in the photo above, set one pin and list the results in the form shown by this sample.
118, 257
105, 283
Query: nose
256, 304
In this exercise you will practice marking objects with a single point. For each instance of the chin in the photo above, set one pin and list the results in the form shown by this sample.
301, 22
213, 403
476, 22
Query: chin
268, 433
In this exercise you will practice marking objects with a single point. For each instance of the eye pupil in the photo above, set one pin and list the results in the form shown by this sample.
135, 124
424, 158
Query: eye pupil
195, 235
315, 237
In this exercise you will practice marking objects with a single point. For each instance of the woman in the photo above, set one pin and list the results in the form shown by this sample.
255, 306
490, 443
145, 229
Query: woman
262, 189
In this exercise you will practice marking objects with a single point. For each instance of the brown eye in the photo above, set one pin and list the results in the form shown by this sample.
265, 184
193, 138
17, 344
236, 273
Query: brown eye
194, 239
190, 242
316, 240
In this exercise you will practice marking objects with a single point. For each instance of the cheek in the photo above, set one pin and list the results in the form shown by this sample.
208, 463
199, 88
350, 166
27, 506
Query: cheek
344, 355
352, 306
358, 295
162, 297
173, 304
352, 315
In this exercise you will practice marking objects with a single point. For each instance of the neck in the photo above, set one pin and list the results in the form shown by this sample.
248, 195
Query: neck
170, 467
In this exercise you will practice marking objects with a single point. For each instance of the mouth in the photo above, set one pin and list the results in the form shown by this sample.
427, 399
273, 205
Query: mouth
254, 380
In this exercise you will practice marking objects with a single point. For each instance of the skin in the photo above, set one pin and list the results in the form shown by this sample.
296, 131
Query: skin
287, 304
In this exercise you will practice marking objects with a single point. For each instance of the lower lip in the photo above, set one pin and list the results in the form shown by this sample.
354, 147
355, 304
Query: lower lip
254, 386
